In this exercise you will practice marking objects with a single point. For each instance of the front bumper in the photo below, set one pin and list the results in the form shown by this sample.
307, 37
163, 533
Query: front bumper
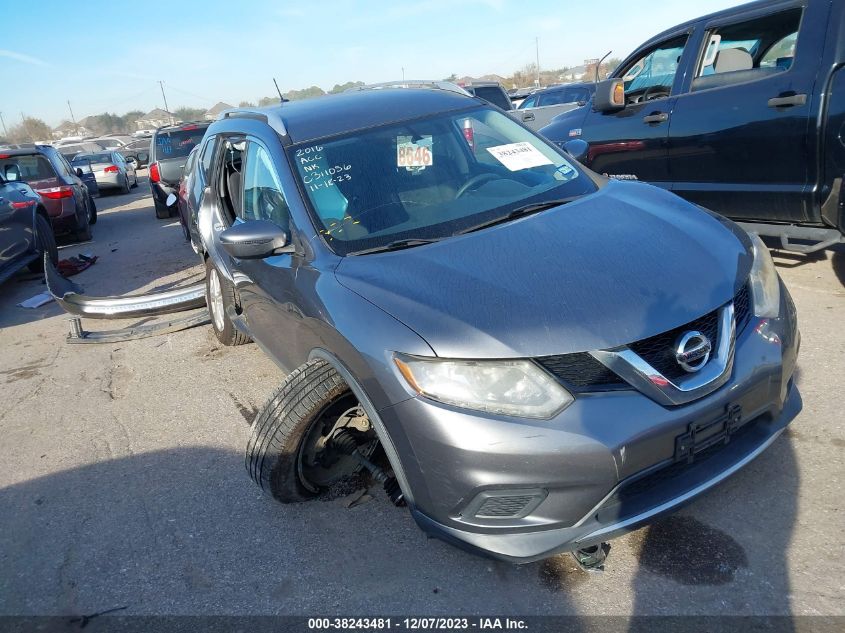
604, 466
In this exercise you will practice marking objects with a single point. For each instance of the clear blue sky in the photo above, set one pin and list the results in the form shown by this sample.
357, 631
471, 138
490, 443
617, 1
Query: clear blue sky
109, 55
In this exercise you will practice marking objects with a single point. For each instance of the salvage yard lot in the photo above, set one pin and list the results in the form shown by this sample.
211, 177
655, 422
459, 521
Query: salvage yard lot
122, 482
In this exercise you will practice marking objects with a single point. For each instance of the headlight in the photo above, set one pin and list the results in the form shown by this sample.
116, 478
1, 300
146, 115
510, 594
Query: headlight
507, 387
765, 286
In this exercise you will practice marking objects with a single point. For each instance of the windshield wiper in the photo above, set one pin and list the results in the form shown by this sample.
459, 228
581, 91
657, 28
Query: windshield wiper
519, 212
396, 245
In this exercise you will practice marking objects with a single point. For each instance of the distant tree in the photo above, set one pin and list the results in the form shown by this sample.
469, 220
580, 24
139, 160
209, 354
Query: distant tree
129, 120
104, 123
344, 87
246, 104
189, 114
305, 93
453, 77
29, 130
268, 101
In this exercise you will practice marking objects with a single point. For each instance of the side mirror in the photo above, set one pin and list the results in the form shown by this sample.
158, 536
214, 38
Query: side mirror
79, 172
255, 239
577, 148
610, 95
12, 173
171, 200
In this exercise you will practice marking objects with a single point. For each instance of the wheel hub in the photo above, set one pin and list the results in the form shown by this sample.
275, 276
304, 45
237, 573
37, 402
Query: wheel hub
216, 299
320, 464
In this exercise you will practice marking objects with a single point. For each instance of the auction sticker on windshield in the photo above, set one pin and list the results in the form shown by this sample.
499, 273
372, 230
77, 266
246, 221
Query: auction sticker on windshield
517, 156
414, 155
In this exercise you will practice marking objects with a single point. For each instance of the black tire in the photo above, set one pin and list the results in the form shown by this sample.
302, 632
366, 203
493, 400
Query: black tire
92, 210
135, 180
45, 243
162, 212
309, 396
223, 328
126, 187
83, 226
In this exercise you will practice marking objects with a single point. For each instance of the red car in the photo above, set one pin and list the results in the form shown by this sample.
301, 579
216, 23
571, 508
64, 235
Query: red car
65, 196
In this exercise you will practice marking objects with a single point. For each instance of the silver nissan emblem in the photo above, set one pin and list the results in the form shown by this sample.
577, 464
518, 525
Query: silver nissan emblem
693, 351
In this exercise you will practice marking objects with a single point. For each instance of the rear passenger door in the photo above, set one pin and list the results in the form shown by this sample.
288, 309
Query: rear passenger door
739, 135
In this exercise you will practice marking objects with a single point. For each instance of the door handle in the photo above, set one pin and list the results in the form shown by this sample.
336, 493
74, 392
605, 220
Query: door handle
656, 117
787, 101
528, 117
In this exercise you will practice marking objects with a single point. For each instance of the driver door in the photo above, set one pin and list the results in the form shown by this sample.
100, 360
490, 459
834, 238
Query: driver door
266, 286
632, 144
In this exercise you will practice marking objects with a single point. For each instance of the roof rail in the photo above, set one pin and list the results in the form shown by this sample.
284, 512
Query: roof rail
270, 115
413, 83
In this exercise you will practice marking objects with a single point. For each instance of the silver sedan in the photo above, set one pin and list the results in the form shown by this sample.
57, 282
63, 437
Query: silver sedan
110, 169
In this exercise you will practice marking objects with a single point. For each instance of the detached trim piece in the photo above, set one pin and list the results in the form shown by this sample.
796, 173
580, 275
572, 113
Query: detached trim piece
68, 295
78, 335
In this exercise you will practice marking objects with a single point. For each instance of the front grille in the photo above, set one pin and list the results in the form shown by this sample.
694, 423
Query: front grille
581, 372
504, 506
659, 351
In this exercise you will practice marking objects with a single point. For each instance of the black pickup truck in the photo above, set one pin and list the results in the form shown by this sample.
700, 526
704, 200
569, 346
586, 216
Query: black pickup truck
741, 111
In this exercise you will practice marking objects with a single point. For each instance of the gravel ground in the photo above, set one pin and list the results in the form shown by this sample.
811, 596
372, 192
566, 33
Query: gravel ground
122, 482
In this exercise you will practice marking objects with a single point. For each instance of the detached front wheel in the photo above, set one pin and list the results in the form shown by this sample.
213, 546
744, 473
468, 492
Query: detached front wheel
291, 454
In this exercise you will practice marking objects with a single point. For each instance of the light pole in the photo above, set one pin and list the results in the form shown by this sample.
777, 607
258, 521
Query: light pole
5, 131
166, 108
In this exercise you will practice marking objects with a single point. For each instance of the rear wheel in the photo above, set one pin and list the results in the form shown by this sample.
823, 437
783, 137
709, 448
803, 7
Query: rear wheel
162, 212
92, 210
220, 295
45, 243
125, 188
290, 453
83, 225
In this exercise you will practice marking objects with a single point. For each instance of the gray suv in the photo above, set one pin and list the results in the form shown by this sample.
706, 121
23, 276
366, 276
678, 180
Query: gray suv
534, 358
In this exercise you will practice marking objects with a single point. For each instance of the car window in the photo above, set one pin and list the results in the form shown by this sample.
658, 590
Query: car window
178, 143
765, 45
26, 167
207, 158
102, 157
494, 95
428, 178
653, 74
262, 192
570, 95
528, 103
107, 143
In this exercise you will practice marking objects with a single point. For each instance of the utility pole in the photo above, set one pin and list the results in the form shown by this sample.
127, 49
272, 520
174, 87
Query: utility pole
166, 108
5, 132
537, 49
73, 120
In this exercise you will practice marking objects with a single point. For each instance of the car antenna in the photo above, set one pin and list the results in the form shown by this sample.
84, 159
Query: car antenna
597, 65
281, 98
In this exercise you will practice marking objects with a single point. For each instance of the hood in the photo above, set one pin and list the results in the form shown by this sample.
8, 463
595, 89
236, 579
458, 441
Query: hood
625, 263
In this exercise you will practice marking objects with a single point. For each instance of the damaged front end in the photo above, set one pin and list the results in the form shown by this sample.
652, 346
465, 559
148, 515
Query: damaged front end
71, 298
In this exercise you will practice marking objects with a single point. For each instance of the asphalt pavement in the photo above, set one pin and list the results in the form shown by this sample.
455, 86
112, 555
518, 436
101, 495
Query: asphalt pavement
122, 482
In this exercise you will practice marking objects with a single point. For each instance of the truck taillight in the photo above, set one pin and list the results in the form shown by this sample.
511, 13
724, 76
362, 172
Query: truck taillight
111, 169
154, 175
56, 193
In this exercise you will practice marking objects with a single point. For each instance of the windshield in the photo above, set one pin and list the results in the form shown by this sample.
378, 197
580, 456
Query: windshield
81, 159
428, 178
178, 143
108, 143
